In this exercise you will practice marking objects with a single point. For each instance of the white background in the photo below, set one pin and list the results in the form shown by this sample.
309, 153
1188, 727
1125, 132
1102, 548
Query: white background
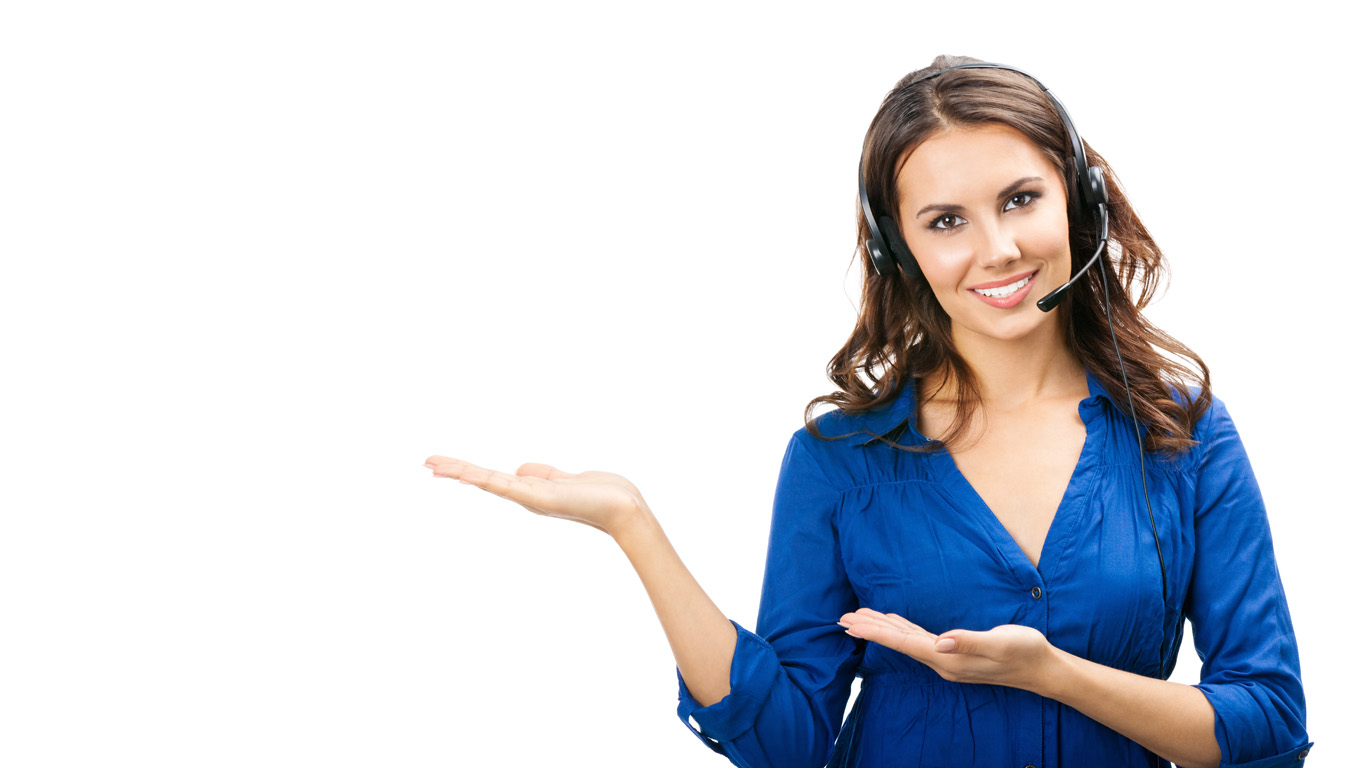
260, 259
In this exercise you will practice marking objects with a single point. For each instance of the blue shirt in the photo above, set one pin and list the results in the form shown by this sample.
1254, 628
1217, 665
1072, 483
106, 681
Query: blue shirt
857, 523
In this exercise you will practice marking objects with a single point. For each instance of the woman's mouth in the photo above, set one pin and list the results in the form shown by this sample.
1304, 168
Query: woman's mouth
1007, 295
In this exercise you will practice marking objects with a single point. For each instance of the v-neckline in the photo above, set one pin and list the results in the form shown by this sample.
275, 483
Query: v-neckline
1065, 515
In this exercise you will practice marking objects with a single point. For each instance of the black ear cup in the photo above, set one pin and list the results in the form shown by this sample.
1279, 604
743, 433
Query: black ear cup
888, 254
883, 263
1094, 189
897, 243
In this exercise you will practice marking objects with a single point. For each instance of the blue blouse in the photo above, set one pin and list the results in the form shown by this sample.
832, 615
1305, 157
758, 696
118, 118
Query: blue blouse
857, 523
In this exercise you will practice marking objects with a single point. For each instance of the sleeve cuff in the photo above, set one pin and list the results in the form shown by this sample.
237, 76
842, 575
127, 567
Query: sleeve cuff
1291, 759
1248, 721
754, 669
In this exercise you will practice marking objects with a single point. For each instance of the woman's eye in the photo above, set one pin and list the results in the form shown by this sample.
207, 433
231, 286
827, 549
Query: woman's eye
947, 221
1020, 200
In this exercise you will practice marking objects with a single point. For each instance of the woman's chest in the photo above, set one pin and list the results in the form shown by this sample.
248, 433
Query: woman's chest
1018, 463
1020, 469
930, 549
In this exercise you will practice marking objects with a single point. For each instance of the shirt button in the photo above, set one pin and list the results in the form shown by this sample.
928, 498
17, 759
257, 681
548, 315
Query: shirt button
1031, 765
1037, 593
1303, 754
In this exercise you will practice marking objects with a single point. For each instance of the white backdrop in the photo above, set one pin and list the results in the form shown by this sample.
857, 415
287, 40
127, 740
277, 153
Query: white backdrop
262, 258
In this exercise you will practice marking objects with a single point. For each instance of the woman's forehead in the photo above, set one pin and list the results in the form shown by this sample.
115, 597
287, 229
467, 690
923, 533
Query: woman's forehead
969, 161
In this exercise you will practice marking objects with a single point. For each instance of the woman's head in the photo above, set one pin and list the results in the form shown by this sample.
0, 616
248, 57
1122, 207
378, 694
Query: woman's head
932, 103
904, 333
984, 212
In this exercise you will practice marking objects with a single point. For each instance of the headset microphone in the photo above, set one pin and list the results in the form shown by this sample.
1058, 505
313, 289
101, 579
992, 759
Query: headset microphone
1054, 298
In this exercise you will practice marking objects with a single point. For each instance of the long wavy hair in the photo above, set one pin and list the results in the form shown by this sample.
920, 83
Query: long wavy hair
903, 334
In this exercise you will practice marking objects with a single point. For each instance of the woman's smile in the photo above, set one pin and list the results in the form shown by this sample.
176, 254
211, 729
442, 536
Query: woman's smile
1005, 293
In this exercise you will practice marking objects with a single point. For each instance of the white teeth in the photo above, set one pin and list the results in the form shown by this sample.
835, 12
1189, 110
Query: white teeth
1005, 290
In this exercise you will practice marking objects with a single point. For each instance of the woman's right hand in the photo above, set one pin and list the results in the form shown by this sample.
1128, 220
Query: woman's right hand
603, 500
702, 638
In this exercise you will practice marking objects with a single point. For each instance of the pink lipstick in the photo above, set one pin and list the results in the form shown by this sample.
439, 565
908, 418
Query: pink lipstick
1005, 293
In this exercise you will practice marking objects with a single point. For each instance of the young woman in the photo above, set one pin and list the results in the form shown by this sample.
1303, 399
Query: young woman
985, 529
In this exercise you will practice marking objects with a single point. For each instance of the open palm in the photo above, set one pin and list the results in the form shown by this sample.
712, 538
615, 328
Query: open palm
600, 499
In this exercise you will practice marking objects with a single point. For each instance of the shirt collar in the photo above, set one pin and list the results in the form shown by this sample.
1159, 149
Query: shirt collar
1099, 393
901, 412
889, 419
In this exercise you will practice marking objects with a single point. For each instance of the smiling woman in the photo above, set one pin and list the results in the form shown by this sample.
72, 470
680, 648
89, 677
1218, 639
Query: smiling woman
962, 249
1012, 512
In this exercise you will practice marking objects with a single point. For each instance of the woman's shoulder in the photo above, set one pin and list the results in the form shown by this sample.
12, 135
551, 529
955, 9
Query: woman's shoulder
1215, 424
860, 426
843, 430
1213, 434
845, 445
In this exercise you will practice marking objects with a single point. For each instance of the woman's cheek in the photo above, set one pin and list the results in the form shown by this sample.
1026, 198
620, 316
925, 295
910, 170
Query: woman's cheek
1049, 239
944, 269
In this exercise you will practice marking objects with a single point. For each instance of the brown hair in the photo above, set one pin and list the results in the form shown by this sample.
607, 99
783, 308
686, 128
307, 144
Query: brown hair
903, 334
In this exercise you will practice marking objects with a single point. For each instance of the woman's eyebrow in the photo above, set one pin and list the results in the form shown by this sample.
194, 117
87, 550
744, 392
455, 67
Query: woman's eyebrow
1013, 188
955, 208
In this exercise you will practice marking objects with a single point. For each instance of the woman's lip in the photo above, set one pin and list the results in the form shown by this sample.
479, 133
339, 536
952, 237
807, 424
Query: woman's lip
999, 283
1006, 302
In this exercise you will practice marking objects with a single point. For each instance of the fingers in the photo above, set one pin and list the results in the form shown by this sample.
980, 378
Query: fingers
998, 643
529, 491
449, 467
543, 471
890, 630
953, 643
962, 641
870, 617
445, 466
465, 472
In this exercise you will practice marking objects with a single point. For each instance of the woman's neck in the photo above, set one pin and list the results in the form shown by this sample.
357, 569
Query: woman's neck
1014, 372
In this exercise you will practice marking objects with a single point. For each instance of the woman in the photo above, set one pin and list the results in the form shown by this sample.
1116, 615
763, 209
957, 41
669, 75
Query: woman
985, 529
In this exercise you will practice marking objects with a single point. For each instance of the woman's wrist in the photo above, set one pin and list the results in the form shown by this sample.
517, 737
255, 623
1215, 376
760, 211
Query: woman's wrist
1052, 676
635, 529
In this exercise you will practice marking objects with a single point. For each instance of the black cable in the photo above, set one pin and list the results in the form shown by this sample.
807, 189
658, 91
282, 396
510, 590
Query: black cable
1142, 471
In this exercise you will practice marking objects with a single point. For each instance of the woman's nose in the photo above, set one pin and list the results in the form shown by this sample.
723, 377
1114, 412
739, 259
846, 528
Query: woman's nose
996, 246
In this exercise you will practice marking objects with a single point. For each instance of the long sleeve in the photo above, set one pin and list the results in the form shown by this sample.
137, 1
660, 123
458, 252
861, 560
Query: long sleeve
1238, 610
790, 682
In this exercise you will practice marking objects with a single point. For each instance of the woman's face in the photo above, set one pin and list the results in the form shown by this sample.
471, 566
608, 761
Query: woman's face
985, 213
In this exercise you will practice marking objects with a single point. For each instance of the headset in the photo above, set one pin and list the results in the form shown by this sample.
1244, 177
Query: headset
888, 251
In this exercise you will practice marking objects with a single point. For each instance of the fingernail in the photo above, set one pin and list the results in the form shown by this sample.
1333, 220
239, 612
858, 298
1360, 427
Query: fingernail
429, 465
946, 645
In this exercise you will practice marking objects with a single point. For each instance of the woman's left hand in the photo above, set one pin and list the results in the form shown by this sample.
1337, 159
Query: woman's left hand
1011, 655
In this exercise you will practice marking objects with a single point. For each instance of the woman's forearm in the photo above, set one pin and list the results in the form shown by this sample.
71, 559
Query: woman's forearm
1174, 721
702, 638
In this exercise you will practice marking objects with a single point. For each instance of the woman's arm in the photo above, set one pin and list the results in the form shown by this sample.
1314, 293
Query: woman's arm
775, 701
702, 638
1240, 619
1172, 720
